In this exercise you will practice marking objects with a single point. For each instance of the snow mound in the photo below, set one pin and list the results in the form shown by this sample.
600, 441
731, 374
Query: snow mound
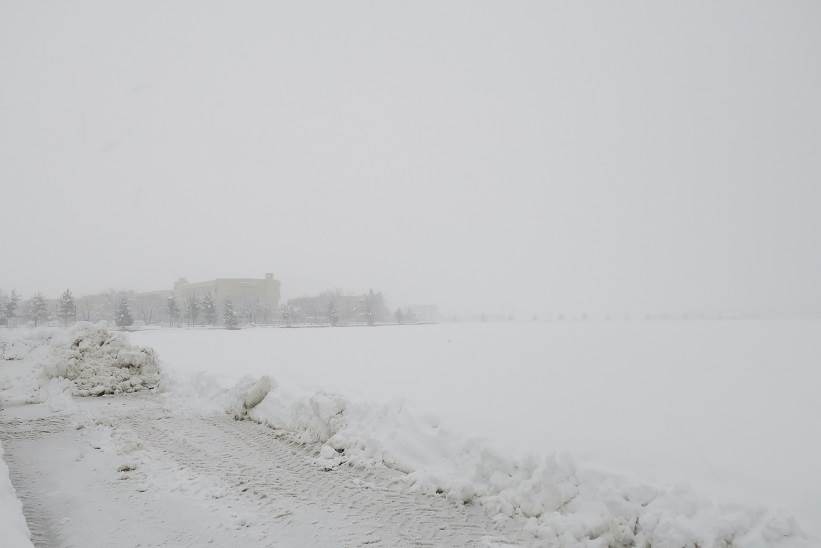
98, 361
257, 392
556, 501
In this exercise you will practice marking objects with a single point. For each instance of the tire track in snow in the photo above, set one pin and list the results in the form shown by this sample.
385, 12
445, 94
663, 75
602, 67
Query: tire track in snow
280, 482
12, 432
201, 480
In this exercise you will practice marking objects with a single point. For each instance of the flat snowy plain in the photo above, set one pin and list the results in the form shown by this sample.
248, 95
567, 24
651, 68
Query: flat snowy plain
727, 408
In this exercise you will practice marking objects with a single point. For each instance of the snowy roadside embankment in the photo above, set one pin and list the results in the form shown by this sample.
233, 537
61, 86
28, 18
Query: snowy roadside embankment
13, 528
50, 364
558, 502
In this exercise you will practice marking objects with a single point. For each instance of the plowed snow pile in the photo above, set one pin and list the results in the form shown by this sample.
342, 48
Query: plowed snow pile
98, 361
558, 502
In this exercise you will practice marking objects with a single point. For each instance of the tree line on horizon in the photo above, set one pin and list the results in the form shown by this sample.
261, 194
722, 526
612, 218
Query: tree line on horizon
193, 311
36, 308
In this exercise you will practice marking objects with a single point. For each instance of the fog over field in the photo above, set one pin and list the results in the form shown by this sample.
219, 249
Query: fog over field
536, 158
466, 273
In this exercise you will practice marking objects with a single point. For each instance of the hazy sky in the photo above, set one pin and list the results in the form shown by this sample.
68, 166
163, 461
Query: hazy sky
527, 156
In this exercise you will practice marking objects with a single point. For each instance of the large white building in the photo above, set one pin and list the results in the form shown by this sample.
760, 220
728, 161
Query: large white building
254, 299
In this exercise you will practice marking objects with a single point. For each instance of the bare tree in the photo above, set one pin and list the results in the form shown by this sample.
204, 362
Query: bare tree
146, 313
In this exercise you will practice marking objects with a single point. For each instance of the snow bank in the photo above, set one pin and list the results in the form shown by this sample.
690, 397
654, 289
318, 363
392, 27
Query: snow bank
257, 392
726, 408
13, 528
98, 361
555, 500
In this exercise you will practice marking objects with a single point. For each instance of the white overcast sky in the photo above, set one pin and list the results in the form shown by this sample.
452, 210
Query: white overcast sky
499, 156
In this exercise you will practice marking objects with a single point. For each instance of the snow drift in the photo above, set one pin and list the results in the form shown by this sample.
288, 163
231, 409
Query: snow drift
558, 502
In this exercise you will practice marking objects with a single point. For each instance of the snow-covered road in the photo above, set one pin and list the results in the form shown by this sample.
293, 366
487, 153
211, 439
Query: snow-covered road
130, 471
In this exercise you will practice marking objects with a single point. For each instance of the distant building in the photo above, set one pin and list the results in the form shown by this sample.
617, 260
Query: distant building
100, 306
256, 300
346, 309
426, 313
151, 307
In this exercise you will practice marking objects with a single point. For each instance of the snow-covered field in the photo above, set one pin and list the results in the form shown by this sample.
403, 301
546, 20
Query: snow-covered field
559, 434
727, 409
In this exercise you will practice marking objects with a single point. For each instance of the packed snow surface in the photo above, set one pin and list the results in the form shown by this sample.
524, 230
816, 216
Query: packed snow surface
13, 528
674, 433
133, 470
